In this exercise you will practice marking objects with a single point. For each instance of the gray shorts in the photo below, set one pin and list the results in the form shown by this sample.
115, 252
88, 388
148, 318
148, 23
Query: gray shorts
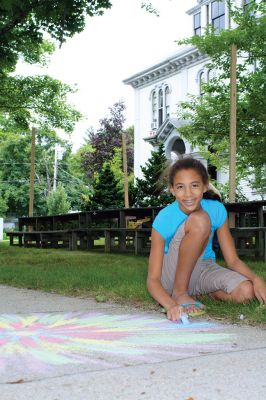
206, 277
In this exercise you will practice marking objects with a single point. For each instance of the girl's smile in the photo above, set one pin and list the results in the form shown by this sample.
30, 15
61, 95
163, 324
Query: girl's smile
188, 189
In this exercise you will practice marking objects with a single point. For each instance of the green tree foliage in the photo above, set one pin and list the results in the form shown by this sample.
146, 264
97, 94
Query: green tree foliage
36, 100
151, 190
57, 201
24, 26
106, 192
209, 114
73, 178
3, 206
15, 154
28, 31
74, 162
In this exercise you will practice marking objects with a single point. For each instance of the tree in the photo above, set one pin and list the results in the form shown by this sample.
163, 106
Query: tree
151, 190
106, 193
208, 115
28, 31
38, 100
57, 201
15, 150
3, 206
106, 139
24, 26
73, 178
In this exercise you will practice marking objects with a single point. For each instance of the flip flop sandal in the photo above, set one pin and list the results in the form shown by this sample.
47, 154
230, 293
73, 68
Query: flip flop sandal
198, 305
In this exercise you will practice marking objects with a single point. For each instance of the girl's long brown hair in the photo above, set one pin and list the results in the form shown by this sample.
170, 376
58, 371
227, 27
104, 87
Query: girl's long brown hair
192, 163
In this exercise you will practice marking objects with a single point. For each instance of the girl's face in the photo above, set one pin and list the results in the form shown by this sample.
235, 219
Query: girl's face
188, 189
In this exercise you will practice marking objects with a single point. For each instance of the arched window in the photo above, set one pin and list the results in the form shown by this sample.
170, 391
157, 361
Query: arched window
201, 82
178, 149
210, 74
167, 102
160, 105
212, 170
154, 110
160, 108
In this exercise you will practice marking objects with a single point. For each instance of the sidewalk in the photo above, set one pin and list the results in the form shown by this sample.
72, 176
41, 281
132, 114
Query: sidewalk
59, 348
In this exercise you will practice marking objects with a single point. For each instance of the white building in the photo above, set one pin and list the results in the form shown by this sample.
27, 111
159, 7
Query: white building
160, 88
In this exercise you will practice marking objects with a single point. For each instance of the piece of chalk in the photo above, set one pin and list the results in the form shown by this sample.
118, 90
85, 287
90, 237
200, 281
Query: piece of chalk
184, 319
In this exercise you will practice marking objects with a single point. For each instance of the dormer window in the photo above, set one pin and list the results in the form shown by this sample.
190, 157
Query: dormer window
197, 24
218, 15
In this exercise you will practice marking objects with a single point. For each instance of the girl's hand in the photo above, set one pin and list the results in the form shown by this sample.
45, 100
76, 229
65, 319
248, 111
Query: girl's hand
174, 312
259, 289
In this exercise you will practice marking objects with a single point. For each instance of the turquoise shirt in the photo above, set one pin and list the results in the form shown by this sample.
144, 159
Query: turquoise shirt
171, 217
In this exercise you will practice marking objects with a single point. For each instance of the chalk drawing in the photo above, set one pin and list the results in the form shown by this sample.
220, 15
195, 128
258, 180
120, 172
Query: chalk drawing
41, 340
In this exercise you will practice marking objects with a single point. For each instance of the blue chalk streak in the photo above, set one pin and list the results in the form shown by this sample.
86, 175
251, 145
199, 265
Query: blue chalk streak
184, 319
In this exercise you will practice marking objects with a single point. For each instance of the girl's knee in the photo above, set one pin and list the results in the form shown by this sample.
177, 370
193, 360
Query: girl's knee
243, 292
199, 221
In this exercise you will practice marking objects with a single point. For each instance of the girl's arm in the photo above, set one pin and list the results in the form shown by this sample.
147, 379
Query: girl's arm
154, 285
233, 261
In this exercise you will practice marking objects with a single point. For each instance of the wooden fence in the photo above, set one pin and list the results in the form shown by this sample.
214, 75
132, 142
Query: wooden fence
130, 229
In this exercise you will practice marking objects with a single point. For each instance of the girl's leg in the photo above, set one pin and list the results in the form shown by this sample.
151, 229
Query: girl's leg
197, 232
242, 293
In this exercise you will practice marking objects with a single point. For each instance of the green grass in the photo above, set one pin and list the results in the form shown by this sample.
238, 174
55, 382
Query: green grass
105, 277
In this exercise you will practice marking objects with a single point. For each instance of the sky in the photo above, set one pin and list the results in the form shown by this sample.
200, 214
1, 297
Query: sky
113, 47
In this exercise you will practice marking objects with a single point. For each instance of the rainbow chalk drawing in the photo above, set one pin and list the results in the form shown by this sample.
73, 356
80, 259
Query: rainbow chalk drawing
41, 341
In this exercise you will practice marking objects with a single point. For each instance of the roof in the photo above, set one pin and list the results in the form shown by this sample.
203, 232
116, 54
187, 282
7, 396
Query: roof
167, 67
165, 130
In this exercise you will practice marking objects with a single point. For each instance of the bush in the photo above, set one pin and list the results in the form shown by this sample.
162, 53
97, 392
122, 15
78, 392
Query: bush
57, 201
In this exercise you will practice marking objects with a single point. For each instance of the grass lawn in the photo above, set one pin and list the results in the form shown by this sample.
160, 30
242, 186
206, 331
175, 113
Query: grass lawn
105, 277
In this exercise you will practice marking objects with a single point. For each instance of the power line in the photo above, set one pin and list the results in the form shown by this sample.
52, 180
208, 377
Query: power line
72, 176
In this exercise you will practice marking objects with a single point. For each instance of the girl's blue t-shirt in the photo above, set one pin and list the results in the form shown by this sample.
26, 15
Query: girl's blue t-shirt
171, 217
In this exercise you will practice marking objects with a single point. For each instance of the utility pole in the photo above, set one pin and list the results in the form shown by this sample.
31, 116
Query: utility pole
58, 154
232, 161
32, 172
124, 152
232, 152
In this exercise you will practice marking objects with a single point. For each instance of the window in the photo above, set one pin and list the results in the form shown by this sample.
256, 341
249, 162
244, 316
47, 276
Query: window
167, 102
154, 110
160, 105
218, 15
197, 24
210, 74
201, 82
160, 108
207, 14
212, 170
246, 4
179, 147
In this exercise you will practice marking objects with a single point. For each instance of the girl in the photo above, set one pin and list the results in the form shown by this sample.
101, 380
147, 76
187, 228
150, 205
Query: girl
182, 262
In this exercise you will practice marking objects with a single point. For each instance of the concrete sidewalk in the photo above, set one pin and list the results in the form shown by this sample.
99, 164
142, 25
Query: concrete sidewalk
54, 347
